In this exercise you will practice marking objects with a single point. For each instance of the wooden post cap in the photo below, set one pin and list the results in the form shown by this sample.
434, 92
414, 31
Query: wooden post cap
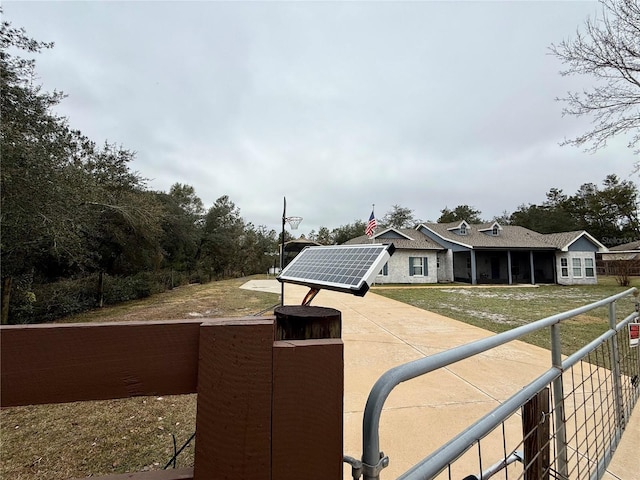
297, 322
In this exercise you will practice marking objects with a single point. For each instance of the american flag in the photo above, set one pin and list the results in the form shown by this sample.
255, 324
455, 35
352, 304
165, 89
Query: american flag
371, 226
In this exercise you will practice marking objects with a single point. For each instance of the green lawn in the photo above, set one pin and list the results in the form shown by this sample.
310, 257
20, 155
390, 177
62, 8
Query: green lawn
498, 309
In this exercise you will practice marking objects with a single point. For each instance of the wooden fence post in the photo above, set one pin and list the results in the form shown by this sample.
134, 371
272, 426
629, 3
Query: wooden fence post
537, 442
308, 388
233, 419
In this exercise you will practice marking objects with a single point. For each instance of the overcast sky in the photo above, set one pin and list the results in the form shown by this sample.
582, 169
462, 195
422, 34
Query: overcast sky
336, 106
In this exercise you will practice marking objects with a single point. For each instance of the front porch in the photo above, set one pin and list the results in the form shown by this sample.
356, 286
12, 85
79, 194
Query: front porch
504, 266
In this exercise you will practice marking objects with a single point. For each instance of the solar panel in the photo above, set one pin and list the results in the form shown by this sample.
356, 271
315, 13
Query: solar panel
345, 268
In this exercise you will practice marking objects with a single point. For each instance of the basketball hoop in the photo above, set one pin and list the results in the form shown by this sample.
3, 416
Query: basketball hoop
293, 222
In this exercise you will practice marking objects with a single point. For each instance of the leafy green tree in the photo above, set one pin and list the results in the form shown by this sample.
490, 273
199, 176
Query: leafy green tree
259, 249
123, 219
608, 50
185, 196
399, 217
504, 218
67, 207
36, 145
182, 219
461, 212
324, 236
220, 247
608, 213
345, 233
37, 211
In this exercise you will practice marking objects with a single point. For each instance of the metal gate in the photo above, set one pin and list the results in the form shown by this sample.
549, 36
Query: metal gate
573, 415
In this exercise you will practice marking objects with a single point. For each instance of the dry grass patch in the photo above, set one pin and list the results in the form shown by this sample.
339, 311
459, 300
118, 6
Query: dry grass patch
498, 309
95, 438
75, 440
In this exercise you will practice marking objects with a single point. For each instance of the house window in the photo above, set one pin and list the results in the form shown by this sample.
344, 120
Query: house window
577, 267
385, 270
564, 264
463, 229
418, 267
588, 267
494, 231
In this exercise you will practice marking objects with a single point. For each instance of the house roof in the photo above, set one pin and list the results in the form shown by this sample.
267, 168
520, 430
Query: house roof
563, 240
626, 247
510, 236
411, 240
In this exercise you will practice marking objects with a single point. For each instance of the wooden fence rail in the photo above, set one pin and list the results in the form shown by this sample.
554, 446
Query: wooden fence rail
266, 408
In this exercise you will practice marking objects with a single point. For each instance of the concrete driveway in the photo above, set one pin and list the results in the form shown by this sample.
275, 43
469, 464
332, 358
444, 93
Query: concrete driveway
422, 414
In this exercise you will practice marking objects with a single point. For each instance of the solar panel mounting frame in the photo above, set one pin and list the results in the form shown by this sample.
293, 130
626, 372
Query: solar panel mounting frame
343, 268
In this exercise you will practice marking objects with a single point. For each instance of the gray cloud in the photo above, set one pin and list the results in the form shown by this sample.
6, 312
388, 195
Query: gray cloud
335, 105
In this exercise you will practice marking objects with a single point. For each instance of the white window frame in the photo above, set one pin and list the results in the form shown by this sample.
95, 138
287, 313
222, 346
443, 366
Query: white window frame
589, 268
576, 266
564, 267
416, 266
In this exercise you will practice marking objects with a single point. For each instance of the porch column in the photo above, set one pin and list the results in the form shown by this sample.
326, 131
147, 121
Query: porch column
474, 280
509, 267
533, 276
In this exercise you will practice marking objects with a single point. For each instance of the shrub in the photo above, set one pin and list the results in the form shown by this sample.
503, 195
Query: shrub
39, 303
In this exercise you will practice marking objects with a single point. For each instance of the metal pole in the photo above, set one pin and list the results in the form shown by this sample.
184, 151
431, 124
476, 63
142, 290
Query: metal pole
558, 398
284, 219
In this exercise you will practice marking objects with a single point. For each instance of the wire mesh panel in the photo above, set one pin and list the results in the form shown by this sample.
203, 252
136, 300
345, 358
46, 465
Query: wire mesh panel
594, 417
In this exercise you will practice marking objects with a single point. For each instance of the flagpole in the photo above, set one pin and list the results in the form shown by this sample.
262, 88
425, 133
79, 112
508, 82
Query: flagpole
373, 211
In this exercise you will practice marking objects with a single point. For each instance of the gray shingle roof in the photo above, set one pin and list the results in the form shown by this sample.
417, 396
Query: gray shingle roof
419, 242
510, 236
562, 239
626, 247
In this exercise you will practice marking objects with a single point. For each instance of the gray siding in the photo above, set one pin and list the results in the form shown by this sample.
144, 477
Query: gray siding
583, 245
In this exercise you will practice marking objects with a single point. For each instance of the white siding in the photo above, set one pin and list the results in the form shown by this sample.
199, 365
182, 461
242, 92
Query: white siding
572, 279
445, 270
398, 268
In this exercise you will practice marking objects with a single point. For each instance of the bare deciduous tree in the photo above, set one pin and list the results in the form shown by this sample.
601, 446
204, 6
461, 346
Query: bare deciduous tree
609, 50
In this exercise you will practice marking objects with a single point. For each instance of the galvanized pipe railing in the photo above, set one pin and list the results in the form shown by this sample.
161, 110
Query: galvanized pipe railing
373, 460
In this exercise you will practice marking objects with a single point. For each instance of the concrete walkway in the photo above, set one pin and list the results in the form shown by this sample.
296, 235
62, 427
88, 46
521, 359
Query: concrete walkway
421, 415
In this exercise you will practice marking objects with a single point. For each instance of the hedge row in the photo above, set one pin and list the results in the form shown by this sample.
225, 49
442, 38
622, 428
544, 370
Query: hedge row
40, 303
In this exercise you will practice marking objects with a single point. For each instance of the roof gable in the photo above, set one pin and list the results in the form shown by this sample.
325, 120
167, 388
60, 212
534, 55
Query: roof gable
575, 241
493, 229
461, 228
392, 233
402, 239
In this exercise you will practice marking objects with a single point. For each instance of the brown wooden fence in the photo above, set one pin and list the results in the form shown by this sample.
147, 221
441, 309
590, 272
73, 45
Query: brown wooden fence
266, 408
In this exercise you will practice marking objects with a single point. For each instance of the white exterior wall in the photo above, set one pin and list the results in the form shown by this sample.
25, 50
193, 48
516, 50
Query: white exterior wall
571, 279
398, 268
445, 270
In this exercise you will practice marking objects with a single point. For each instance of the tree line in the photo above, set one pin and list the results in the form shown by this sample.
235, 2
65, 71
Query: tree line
73, 210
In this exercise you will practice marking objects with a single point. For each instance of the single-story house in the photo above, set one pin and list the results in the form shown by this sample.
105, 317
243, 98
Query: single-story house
486, 253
